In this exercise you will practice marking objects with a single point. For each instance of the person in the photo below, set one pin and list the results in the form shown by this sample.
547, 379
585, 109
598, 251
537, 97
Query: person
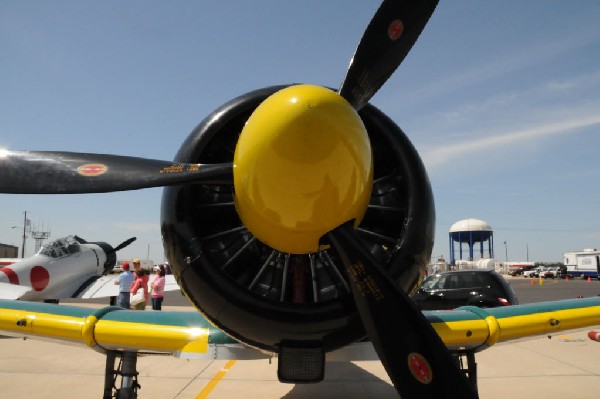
137, 266
167, 268
136, 286
124, 282
158, 287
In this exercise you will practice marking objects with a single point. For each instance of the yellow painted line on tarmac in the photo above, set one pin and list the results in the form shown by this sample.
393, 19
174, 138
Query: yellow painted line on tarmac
215, 380
568, 338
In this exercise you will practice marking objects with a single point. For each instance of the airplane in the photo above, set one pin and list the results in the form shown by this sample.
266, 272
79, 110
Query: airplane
67, 267
298, 220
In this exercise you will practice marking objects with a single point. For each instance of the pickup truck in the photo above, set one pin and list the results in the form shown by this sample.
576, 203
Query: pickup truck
534, 272
551, 272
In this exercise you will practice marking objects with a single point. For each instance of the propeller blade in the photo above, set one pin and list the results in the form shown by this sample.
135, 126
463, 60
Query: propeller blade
124, 244
390, 35
80, 240
48, 172
412, 353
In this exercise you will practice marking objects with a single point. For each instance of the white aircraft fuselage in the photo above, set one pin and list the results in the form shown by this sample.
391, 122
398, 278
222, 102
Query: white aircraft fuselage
61, 269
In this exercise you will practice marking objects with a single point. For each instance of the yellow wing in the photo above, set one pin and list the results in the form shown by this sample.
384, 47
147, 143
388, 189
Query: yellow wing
189, 335
182, 334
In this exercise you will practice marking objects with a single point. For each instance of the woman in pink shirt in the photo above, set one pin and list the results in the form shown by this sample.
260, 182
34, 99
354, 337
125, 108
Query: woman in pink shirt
158, 287
139, 282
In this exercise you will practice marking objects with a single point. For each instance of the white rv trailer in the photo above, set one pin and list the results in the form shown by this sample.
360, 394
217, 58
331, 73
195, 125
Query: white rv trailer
584, 263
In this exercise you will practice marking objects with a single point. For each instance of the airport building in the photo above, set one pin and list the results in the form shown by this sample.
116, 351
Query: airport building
8, 251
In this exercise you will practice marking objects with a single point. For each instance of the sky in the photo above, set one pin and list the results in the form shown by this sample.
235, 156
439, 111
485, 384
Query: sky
501, 99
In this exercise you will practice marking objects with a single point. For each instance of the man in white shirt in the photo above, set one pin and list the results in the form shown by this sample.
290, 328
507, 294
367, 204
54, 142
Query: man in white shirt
124, 281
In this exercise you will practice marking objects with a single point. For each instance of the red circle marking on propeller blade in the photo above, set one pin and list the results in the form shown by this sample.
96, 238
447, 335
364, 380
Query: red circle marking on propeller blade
419, 368
92, 169
395, 29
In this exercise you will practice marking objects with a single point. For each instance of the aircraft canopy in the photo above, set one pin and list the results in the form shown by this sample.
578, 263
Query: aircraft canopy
60, 248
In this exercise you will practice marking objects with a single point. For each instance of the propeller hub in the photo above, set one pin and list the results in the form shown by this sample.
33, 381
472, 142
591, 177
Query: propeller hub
302, 166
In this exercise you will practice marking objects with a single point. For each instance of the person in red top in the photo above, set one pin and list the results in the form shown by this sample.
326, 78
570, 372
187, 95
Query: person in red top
137, 266
138, 284
158, 287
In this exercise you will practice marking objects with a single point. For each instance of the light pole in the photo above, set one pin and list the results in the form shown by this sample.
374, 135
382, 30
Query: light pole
24, 234
25, 230
505, 251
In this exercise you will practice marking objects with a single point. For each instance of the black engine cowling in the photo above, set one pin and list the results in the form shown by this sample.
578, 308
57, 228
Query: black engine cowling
261, 296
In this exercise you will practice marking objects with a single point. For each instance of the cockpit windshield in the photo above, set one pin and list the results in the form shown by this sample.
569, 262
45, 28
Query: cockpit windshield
61, 247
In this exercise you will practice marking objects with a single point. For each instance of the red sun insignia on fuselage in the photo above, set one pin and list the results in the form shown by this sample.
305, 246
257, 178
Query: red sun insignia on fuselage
39, 277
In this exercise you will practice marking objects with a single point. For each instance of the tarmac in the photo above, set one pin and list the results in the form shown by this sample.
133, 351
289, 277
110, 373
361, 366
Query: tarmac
563, 366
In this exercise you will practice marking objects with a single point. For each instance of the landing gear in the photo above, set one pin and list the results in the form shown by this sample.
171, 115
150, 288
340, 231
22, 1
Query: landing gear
126, 370
465, 360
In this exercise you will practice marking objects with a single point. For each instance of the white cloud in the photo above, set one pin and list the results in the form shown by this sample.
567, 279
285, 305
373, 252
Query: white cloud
445, 153
501, 64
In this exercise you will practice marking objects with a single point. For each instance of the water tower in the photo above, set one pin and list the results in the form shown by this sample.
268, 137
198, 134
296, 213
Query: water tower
471, 232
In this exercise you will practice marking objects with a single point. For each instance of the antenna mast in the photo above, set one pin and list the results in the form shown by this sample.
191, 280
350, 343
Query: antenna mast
39, 236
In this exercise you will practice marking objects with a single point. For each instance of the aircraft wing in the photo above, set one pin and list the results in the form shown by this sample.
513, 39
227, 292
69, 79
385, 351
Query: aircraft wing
12, 291
102, 287
105, 287
182, 334
189, 335
473, 328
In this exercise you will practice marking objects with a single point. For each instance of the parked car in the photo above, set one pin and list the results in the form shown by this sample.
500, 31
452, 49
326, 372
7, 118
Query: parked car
534, 272
517, 271
538, 272
551, 272
561, 272
449, 290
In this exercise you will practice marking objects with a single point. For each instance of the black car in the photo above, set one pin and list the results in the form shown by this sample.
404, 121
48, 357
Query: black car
449, 290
